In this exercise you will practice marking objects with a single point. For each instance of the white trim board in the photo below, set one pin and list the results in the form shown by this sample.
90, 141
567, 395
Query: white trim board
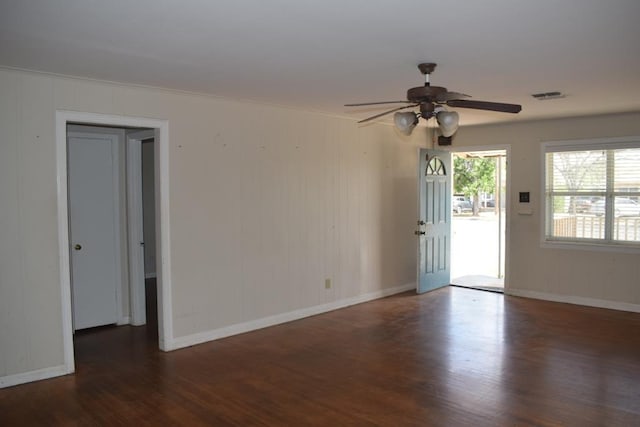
137, 300
37, 375
161, 127
124, 320
239, 328
570, 299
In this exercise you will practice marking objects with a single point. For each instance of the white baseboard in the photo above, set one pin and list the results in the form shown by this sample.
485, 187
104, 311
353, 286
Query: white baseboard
124, 320
264, 322
37, 375
591, 302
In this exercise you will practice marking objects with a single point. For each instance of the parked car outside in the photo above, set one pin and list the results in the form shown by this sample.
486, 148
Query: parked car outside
622, 207
583, 204
460, 204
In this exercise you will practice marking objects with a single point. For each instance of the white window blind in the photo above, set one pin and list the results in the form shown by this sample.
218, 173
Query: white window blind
592, 192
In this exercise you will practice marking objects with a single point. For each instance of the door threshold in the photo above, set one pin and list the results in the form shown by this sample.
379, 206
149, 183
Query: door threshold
493, 289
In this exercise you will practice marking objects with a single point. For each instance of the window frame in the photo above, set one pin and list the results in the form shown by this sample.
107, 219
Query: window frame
606, 244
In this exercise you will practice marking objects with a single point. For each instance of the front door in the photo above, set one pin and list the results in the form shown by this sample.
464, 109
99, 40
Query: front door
94, 230
434, 222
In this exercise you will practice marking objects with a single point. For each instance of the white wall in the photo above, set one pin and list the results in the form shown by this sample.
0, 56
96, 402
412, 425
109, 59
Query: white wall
606, 279
266, 203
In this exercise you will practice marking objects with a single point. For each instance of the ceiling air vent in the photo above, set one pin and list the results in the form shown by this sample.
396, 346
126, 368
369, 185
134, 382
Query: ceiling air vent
543, 96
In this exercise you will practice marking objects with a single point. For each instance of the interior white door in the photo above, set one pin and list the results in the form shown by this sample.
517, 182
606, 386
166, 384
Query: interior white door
93, 227
434, 221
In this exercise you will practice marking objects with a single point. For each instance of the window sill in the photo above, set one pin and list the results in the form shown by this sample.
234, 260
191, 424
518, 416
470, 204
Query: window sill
631, 248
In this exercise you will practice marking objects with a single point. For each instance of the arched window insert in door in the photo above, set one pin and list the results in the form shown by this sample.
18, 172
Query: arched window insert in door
435, 166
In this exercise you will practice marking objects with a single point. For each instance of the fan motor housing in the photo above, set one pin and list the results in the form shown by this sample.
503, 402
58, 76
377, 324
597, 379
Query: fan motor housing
425, 93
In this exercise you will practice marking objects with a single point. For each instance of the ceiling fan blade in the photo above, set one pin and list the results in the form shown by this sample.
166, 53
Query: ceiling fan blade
387, 112
448, 96
484, 105
376, 103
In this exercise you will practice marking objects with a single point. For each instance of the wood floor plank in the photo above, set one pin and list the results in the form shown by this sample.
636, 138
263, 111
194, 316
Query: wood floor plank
452, 357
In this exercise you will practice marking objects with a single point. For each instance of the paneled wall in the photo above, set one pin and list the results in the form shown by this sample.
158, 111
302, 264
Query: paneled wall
266, 203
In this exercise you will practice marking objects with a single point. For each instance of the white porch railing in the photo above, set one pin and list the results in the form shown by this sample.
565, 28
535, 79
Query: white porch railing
592, 227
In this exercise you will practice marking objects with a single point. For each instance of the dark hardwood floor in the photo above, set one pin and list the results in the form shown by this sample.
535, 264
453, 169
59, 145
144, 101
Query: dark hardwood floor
453, 357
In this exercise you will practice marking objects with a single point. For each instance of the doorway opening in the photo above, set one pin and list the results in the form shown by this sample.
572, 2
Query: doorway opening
110, 184
478, 230
135, 176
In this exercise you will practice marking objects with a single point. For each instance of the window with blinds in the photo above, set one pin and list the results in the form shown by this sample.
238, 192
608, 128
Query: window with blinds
592, 191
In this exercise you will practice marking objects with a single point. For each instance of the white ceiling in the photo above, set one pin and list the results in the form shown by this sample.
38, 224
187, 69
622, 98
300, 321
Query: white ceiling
320, 54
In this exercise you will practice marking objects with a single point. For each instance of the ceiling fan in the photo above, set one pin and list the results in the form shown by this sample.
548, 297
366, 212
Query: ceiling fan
431, 99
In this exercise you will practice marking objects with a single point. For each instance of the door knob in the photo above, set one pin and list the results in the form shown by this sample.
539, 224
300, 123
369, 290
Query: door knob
77, 247
419, 233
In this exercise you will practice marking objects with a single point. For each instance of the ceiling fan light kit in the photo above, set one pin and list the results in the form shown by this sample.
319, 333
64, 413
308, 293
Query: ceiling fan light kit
448, 122
430, 100
405, 122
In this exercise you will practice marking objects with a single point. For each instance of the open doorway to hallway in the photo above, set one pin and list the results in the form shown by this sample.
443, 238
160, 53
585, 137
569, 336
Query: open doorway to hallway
478, 221
129, 242
111, 193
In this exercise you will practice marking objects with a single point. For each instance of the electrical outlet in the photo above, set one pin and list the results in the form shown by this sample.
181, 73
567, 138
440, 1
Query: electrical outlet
327, 283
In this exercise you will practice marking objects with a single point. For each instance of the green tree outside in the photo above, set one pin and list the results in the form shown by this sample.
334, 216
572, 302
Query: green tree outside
473, 176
